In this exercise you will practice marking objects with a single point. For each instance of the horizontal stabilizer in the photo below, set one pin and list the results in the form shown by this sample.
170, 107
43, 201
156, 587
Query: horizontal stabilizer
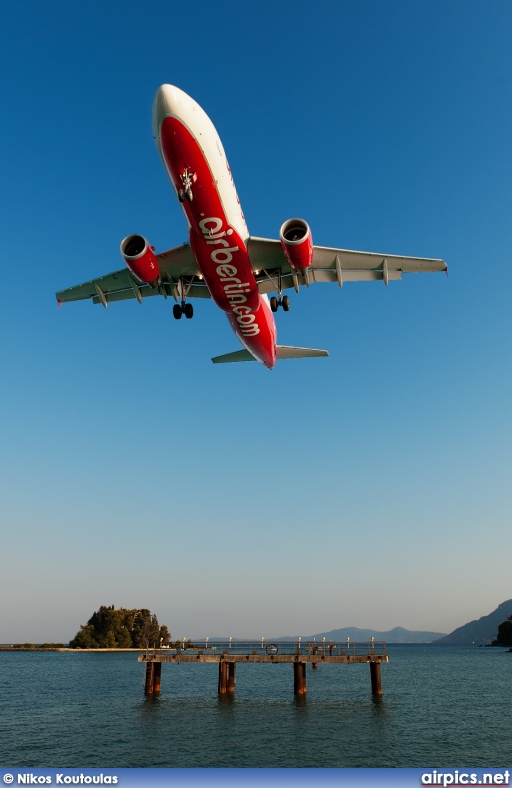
282, 351
238, 355
285, 351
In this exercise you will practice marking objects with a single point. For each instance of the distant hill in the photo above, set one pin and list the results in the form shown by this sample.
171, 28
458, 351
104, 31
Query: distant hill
396, 635
481, 631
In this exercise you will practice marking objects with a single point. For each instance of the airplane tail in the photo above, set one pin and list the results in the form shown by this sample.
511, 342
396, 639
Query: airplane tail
283, 351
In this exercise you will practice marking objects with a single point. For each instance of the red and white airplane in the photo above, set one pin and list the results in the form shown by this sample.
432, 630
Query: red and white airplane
222, 261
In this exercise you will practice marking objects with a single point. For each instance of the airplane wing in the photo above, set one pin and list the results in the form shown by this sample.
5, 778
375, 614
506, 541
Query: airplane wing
178, 270
331, 265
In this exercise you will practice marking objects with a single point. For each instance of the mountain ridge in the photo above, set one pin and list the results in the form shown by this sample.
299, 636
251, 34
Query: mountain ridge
395, 635
480, 631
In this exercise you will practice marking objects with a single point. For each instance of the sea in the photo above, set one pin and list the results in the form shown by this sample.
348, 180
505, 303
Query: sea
442, 706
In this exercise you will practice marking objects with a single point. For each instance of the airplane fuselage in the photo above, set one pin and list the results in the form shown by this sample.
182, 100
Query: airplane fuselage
190, 148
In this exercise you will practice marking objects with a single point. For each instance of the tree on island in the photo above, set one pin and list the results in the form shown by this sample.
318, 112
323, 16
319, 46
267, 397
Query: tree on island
111, 628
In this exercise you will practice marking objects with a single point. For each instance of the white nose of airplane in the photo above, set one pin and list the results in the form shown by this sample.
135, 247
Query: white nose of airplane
169, 100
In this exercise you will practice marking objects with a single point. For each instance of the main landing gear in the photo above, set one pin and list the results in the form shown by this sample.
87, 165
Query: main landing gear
281, 300
187, 179
181, 292
183, 309
275, 303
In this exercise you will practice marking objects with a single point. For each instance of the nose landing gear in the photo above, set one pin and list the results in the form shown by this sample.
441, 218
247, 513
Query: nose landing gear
187, 179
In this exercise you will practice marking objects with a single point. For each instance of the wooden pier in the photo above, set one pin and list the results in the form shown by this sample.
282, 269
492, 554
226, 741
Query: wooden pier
229, 655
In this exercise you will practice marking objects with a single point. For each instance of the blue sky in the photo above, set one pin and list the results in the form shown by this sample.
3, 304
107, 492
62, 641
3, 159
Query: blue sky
369, 489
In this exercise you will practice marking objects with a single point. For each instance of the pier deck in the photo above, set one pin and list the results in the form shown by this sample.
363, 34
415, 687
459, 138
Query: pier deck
227, 655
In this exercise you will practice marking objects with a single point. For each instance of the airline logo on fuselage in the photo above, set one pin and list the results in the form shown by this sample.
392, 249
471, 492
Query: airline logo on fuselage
234, 289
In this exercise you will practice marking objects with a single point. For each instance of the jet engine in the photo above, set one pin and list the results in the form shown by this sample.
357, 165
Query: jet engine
140, 258
297, 243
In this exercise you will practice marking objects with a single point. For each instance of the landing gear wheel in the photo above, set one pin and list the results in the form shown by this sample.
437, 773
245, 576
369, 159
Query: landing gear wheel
188, 310
286, 303
190, 196
181, 195
273, 304
176, 310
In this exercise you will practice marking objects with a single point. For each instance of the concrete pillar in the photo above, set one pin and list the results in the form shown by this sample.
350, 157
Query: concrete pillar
299, 678
375, 678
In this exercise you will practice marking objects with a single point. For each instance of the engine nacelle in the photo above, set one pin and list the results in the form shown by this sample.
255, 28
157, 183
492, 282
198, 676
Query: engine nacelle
140, 258
297, 243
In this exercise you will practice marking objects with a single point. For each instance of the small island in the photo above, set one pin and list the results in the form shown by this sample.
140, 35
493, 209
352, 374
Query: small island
111, 628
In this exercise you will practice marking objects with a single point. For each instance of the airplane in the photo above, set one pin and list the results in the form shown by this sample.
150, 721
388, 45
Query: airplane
221, 260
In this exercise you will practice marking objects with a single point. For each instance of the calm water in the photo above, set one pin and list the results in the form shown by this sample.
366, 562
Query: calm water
442, 706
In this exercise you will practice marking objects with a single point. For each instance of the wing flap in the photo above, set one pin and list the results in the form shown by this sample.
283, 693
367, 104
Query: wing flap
268, 284
195, 291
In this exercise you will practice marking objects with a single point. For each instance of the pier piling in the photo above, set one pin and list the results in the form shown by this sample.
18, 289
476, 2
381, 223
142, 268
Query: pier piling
223, 678
150, 671
157, 676
375, 678
231, 676
299, 678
